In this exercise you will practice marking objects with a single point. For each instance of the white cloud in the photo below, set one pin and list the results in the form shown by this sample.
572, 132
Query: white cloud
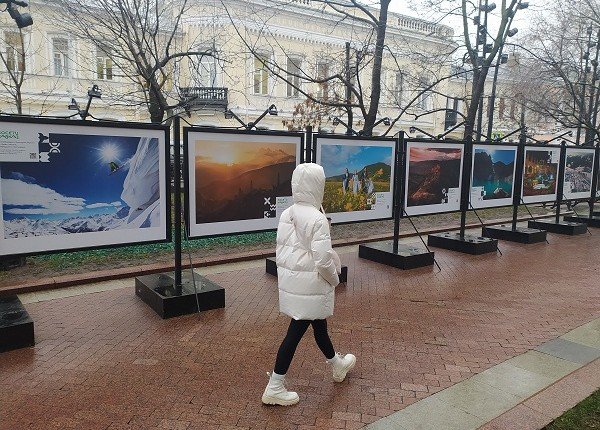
37, 200
98, 205
117, 204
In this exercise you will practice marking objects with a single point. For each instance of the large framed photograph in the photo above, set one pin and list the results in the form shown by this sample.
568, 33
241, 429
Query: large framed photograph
237, 181
540, 174
359, 184
433, 177
493, 175
82, 185
579, 165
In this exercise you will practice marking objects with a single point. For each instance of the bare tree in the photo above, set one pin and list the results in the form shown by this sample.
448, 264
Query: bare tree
144, 40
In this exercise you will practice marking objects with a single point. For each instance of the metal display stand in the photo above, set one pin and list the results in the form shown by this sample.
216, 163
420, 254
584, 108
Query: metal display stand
592, 220
176, 293
391, 252
570, 228
512, 232
462, 242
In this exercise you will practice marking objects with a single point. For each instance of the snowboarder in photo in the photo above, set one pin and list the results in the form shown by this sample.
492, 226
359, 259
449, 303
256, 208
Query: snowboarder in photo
308, 271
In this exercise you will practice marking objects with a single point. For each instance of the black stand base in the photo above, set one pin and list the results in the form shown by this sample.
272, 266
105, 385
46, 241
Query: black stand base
468, 244
158, 292
407, 257
11, 262
561, 227
519, 234
591, 222
16, 326
271, 269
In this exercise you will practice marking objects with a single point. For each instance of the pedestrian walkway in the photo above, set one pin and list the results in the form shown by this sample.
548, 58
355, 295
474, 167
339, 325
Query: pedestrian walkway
104, 360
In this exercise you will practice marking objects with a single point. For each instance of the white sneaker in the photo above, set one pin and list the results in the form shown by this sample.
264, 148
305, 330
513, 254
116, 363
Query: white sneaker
342, 365
276, 393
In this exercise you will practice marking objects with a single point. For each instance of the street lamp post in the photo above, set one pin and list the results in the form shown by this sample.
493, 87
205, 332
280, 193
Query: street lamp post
586, 57
591, 108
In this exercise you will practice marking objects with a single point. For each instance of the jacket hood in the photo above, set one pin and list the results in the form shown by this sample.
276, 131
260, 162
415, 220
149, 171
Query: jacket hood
308, 184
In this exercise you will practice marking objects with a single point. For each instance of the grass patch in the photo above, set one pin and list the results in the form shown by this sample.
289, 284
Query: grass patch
584, 416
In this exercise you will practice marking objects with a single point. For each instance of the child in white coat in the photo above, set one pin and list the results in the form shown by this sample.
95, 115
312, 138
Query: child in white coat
307, 269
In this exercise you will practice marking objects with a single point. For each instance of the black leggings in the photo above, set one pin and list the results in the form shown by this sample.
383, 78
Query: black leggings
295, 332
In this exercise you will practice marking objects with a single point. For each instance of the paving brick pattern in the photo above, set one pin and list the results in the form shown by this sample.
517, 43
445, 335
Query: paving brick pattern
106, 361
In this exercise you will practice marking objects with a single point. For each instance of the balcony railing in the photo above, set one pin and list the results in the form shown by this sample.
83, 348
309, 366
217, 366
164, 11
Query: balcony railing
205, 97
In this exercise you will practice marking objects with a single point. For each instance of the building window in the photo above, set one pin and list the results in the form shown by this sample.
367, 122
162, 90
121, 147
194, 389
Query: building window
423, 99
104, 65
261, 75
15, 60
293, 76
323, 73
398, 88
207, 72
60, 55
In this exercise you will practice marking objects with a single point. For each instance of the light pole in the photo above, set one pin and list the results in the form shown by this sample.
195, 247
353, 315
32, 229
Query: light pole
586, 57
590, 126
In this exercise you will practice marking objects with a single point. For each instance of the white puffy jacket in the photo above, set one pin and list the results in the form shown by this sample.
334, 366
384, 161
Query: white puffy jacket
306, 267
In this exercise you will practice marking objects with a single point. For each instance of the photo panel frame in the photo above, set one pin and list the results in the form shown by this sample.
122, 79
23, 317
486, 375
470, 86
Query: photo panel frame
578, 173
359, 172
540, 174
68, 186
237, 181
493, 175
433, 175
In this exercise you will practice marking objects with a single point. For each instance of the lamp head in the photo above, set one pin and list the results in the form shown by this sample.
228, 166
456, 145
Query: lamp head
228, 114
73, 105
95, 92
412, 129
504, 59
490, 7
336, 121
512, 32
523, 5
387, 122
22, 20
273, 110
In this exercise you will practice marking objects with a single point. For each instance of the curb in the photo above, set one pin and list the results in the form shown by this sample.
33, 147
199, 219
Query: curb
130, 272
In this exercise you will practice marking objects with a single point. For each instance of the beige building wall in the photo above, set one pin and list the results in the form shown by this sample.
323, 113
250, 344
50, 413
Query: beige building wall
299, 31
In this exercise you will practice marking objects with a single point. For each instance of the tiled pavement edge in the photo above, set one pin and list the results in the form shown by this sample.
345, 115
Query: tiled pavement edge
505, 396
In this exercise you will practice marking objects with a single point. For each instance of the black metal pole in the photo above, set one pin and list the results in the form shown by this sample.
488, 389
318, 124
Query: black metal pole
308, 140
518, 181
177, 201
483, 53
589, 131
466, 184
348, 92
492, 100
399, 187
582, 100
560, 179
594, 180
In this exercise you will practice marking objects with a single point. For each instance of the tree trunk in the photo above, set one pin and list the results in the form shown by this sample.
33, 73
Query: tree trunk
19, 100
371, 116
156, 103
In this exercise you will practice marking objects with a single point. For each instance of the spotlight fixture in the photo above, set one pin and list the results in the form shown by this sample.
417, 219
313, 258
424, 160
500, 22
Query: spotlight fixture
336, 121
512, 32
273, 110
504, 59
412, 129
95, 92
22, 20
386, 121
73, 105
523, 5
490, 7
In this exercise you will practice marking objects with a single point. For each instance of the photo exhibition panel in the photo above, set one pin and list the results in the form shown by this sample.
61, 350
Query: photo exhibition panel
540, 174
66, 187
493, 175
579, 165
359, 178
433, 177
238, 182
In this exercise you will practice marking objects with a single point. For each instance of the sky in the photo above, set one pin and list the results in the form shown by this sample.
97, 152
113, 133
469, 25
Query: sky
76, 182
507, 156
336, 158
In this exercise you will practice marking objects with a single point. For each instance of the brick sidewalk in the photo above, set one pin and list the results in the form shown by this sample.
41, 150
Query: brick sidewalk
106, 361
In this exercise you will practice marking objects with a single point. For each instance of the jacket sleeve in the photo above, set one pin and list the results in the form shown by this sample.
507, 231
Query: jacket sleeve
323, 253
337, 262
